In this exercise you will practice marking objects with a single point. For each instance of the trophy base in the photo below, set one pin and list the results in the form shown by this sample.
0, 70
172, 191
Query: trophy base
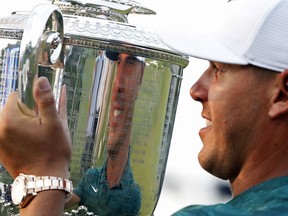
9, 209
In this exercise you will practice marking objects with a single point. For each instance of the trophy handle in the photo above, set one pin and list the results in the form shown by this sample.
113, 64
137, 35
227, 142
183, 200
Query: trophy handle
41, 45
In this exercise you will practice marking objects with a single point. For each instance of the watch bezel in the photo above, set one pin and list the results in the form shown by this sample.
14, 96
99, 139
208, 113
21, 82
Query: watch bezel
19, 186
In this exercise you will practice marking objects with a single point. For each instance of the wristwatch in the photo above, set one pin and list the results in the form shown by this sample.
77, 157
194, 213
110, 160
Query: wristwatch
26, 187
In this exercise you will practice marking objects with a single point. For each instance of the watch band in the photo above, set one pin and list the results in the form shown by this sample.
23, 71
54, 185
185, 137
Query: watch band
26, 187
35, 184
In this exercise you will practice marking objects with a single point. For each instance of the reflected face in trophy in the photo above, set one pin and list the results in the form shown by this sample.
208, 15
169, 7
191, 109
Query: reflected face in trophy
127, 83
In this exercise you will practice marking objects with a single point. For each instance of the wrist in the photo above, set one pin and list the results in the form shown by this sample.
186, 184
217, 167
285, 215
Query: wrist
53, 201
26, 187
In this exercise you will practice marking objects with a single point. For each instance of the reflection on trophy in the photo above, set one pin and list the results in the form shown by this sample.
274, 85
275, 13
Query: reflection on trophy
115, 178
122, 92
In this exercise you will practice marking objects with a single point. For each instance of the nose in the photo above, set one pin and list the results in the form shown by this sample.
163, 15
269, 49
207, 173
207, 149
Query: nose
199, 91
119, 81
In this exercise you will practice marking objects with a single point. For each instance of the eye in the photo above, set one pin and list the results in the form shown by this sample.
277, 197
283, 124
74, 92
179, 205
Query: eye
130, 61
216, 69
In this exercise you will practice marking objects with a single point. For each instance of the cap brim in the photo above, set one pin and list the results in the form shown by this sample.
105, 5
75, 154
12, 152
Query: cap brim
198, 43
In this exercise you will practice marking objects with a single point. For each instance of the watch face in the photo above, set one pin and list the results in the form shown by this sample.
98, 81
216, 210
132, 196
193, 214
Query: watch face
18, 192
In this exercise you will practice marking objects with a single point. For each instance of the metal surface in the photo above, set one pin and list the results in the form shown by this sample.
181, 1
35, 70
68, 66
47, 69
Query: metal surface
41, 44
116, 10
36, 51
123, 86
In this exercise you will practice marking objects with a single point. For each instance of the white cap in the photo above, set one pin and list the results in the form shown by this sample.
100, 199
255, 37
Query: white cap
251, 32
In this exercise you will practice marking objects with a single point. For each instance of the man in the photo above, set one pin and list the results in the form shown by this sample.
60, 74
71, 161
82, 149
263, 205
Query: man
244, 95
111, 188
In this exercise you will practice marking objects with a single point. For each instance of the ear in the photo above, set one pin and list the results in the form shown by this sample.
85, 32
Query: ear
280, 104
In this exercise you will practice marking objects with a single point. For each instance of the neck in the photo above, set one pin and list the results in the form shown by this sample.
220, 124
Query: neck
116, 162
261, 166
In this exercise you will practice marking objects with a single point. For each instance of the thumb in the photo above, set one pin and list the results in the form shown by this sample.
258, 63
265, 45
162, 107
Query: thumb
44, 99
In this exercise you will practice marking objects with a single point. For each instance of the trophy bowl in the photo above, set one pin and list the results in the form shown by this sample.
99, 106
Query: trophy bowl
122, 87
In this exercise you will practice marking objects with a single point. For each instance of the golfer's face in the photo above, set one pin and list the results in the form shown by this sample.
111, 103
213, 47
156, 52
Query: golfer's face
125, 90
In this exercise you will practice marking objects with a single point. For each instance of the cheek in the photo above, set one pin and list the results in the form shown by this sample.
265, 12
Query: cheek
228, 102
131, 93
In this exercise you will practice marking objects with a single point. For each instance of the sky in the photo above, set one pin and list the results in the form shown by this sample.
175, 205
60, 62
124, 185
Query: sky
185, 181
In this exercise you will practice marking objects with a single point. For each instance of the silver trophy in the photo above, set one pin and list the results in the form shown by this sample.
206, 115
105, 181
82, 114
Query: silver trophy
122, 92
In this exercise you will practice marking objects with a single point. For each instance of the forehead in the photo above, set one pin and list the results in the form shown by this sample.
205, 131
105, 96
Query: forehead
123, 56
260, 74
227, 66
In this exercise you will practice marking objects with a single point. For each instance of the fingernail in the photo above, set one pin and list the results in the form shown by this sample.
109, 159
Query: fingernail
43, 83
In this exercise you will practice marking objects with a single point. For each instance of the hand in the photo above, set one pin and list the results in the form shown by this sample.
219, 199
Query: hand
35, 142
